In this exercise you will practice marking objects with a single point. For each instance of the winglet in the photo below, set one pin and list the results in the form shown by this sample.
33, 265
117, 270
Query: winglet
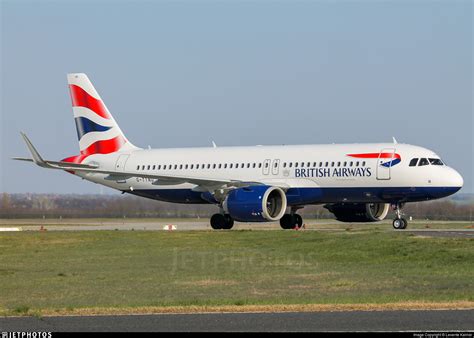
214, 145
34, 153
394, 140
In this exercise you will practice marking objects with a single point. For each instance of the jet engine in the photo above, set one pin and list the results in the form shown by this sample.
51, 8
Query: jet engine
359, 212
258, 203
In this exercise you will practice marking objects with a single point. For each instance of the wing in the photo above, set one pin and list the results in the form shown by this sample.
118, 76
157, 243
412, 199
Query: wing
202, 184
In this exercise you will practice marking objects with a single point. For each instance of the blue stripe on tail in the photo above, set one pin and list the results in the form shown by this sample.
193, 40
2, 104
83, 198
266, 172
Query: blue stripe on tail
84, 126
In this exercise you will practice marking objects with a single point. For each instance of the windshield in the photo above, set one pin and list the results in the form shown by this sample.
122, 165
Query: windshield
435, 161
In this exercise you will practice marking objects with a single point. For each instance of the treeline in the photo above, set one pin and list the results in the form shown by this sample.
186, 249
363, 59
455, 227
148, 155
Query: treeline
113, 206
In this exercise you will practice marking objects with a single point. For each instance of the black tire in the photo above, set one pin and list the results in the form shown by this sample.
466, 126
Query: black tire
399, 223
405, 223
287, 221
218, 221
229, 222
298, 220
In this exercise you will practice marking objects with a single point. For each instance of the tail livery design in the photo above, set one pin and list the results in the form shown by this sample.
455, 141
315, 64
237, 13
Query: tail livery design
97, 131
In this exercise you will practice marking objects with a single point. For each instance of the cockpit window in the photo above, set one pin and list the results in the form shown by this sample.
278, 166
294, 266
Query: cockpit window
435, 161
423, 161
413, 162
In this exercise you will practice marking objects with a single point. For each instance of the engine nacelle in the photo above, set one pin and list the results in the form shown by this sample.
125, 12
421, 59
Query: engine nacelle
258, 203
359, 212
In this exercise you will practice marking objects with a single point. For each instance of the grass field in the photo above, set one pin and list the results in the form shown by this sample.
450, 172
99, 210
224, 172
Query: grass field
65, 271
202, 223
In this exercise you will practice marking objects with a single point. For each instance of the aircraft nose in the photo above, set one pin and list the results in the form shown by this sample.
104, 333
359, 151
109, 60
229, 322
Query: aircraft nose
455, 179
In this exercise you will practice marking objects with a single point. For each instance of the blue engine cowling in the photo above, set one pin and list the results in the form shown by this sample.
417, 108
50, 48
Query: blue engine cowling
258, 203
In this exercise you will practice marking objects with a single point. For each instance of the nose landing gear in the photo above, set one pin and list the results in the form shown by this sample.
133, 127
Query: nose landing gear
399, 223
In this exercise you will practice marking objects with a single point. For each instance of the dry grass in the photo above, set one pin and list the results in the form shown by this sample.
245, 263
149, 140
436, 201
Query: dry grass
101, 311
208, 283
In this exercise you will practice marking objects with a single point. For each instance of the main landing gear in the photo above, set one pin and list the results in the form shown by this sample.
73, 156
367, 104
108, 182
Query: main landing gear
399, 223
291, 221
222, 221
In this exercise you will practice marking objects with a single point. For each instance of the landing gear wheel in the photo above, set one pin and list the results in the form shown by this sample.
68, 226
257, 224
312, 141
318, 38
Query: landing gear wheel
298, 220
218, 221
405, 223
399, 223
229, 222
290, 221
287, 221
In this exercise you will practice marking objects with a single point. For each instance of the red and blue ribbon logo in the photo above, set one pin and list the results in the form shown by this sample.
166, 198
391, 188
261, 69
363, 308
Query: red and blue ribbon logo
394, 158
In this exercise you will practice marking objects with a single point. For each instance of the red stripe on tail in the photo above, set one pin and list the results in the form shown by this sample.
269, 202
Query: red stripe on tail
99, 147
81, 98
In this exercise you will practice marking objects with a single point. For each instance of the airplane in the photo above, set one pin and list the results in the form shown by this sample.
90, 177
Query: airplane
355, 182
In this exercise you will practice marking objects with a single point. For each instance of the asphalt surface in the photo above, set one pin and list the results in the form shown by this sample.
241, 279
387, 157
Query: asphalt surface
438, 320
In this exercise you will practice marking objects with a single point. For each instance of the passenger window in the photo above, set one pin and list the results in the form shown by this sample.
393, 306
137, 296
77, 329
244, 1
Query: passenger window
284, 164
290, 164
254, 165
338, 164
138, 167
214, 166
363, 164
192, 166
332, 164
260, 165
350, 164
320, 164
242, 165
175, 166
308, 164
327, 163
423, 161
159, 166
220, 165
314, 164
296, 164
357, 163
148, 168
302, 164
230, 166
154, 166
413, 162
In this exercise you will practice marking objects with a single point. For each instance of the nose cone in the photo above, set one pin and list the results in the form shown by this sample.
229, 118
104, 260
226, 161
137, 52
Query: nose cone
453, 182
455, 179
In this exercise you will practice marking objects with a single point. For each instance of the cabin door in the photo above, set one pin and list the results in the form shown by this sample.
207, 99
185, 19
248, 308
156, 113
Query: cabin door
384, 163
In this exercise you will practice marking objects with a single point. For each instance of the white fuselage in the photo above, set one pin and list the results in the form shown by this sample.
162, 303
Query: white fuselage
311, 167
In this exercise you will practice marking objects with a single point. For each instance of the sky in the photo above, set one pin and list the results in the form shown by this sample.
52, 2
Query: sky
185, 73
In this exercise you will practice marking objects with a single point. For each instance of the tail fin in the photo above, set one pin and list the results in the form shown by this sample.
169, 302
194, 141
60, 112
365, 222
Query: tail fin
97, 131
